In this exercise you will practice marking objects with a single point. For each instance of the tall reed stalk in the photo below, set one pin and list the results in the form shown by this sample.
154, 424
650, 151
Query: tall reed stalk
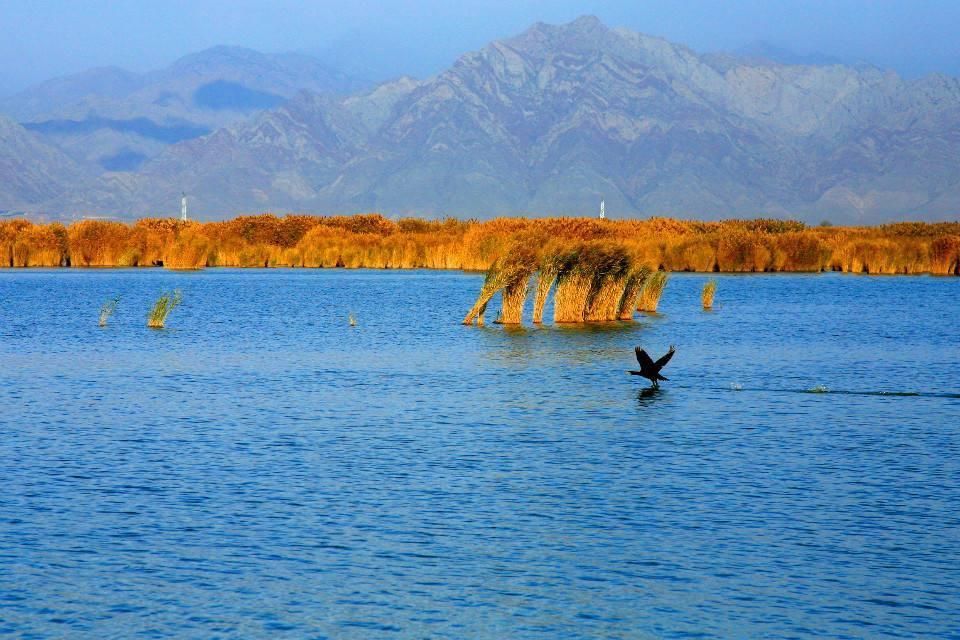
514, 296
555, 261
706, 296
574, 283
482, 310
166, 303
609, 282
511, 271
631, 292
545, 282
107, 310
492, 282
652, 291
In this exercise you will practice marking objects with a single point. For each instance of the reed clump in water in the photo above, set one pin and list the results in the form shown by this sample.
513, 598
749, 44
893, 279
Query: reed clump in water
652, 292
611, 272
590, 278
492, 282
545, 280
591, 283
631, 292
509, 274
557, 260
574, 283
513, 298
107, 309
706, 296
166, 303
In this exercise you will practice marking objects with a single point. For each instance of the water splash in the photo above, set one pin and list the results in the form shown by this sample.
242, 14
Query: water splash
820, 388
736, 386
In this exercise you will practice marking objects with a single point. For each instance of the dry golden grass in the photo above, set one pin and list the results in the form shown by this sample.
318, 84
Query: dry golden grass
574, 282
511, 272
544, 284
945, 255
190, 250
557, 259
482, 310
609, 282
97, 243
597, 271
652, 292
570, 297
595, 280
631, 292
372, 241
514, 296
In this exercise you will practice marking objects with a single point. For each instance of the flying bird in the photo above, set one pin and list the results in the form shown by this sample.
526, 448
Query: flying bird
650, 369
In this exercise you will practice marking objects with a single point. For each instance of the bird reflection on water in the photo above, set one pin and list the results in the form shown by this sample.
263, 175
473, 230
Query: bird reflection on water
648, 396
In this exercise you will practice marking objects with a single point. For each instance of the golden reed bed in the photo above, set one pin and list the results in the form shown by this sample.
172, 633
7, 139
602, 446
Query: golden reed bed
370, 240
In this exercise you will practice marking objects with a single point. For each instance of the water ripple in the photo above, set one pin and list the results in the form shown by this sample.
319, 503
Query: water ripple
262, 473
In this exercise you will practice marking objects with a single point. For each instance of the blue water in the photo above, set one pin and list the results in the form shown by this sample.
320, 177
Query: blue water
260, 469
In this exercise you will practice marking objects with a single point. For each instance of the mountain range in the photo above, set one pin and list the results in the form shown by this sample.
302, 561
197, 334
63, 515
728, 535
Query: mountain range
545, 123
114, 120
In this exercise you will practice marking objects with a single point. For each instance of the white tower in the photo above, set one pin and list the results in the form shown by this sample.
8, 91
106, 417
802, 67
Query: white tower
603, 213
183, 208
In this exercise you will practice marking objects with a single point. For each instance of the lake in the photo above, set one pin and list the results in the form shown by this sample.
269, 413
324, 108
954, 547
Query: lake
261, 469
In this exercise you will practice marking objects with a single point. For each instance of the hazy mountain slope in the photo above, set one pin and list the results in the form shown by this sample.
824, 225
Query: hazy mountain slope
30, 170
553, 120
118, 119
57, 97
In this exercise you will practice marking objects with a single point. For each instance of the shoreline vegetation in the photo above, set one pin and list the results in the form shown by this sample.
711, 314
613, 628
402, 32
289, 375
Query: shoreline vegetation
620, 248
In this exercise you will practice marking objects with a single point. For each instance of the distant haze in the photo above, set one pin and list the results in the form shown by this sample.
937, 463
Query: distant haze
378, 40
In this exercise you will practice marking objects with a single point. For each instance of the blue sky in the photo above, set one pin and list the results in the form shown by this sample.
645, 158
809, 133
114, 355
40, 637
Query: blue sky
40, 39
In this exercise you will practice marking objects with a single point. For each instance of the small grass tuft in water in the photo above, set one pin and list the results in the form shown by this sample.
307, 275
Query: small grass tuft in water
706, 296
166, 303
107, 310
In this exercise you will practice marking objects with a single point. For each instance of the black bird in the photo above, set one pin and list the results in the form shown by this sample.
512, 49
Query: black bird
650, 369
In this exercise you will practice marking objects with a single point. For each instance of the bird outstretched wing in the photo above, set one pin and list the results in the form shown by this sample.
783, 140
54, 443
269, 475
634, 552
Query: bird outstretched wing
643, 358
665, 358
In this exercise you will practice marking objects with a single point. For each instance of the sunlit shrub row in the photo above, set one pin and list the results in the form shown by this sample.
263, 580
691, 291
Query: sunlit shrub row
372, 240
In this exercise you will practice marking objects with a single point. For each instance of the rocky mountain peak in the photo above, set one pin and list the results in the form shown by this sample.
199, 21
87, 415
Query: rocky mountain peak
218, 59
559, 116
